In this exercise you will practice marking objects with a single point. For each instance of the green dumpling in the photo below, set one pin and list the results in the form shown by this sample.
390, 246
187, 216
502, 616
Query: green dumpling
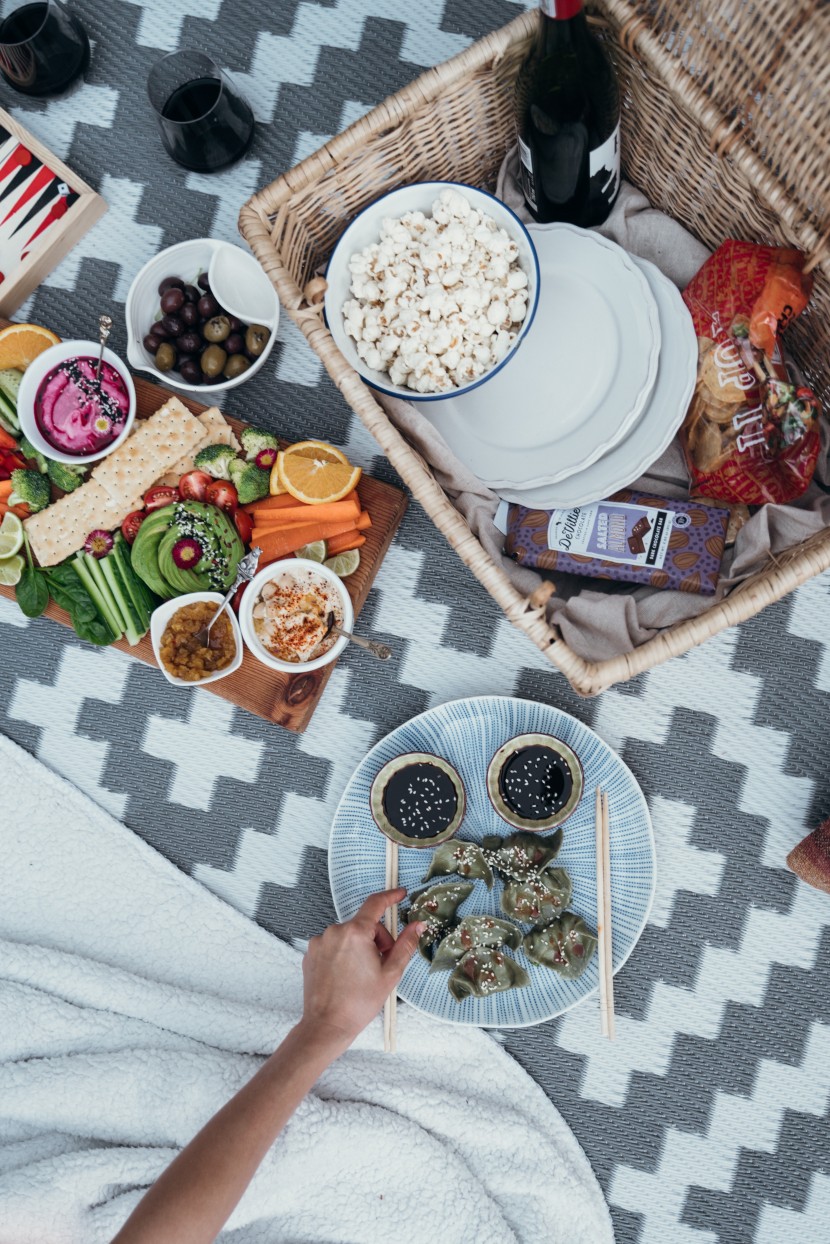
474, 933
566, 945
464, 858
538, 901
486, 971
523, 856
437, 906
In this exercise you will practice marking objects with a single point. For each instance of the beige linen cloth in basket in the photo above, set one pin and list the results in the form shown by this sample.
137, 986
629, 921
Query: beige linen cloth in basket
603, 622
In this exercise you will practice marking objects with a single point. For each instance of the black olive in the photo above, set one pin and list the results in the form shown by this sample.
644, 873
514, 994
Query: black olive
170, 282
189, 315
208, 306
214, 359
171, 301
189, 342
236, 324
203, 281
158, 330
165, 357
151, 342
191, 371
172, 325
235, 366
192, 293
256, 339
235, 344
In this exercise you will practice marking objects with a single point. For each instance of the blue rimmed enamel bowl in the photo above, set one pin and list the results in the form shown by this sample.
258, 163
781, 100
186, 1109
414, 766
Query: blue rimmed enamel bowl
468, 733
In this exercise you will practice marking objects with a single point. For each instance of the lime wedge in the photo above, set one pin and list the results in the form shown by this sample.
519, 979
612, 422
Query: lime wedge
315, 552
344, 564
11, 568
11, 535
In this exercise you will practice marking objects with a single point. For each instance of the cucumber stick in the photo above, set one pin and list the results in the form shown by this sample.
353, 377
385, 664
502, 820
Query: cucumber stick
132, 623
139, 594
96, 585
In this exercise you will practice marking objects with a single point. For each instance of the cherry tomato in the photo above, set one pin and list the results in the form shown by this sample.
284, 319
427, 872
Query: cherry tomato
236, 601
193, 486
221, 493
131, 524
244, 525
161, 495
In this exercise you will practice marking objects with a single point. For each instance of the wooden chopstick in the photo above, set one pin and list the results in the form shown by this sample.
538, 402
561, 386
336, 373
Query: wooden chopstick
390, 1006
606, 962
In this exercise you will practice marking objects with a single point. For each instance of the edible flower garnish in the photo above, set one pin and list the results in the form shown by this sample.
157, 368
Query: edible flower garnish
98, 543
102, 423
187, 553
266, 458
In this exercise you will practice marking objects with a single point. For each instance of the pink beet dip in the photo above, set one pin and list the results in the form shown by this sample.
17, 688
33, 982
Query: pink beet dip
76, 414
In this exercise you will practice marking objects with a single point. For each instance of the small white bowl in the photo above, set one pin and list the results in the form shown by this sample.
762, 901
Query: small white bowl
35, 374
365, 229
246, 611
158, 622
186, 260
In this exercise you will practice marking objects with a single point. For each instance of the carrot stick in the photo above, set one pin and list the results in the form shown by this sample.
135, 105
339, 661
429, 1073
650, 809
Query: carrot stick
6, 488
364, 521
343, 544
281, 543
7, 441
284, 501
334, 512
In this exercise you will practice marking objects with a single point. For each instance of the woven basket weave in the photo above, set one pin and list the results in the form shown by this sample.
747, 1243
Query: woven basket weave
726, 126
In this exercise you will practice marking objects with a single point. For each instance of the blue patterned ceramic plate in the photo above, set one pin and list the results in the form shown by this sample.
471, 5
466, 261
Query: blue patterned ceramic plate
468, 733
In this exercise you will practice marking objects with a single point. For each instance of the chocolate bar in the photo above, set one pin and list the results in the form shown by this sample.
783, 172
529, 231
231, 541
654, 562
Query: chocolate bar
633, 537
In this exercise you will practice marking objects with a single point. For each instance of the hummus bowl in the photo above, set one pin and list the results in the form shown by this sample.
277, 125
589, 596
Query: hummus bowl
284, 605
33, 396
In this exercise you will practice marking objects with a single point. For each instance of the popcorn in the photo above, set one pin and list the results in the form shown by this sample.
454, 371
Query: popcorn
439, 299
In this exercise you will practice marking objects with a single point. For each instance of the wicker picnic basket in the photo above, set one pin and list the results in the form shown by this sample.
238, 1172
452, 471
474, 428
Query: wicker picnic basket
726, 126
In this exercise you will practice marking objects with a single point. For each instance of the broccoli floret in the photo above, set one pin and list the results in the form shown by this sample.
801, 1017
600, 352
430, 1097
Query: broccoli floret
250, 480
254, 440
216, 460
28, 450
65, 477
30, 488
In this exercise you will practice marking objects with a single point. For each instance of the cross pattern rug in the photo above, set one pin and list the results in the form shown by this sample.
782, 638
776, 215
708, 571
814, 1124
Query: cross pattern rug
706, 1121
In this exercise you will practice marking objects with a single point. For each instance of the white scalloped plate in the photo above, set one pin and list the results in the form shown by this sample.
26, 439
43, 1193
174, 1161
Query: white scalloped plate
653, 432
468, 733
582, 378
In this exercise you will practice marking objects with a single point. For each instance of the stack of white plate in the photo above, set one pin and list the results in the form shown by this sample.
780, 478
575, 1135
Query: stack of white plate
598, 388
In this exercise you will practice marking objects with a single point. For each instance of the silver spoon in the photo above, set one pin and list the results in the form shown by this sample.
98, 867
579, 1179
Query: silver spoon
104, 330
381, 651
245, 572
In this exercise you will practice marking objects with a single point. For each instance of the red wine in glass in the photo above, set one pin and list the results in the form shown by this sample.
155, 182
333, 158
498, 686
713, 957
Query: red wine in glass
43, 47
205, 123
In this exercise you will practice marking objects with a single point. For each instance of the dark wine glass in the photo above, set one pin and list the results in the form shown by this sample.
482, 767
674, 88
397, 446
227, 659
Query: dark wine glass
205, 123
43, 47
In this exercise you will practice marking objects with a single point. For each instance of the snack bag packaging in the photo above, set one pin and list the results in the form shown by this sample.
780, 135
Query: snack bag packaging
751, 433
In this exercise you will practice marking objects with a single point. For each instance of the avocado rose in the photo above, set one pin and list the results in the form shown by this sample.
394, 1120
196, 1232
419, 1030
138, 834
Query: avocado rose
157, 550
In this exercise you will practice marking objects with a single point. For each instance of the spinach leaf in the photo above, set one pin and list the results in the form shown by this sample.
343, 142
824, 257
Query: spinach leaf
32, 592
71, 595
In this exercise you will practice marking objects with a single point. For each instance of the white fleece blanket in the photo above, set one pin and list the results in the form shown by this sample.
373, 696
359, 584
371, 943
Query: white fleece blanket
133, 1003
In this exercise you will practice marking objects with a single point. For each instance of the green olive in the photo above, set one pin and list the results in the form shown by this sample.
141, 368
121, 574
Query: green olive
235, 366
213, 361
217, 328
256, 339
165, 357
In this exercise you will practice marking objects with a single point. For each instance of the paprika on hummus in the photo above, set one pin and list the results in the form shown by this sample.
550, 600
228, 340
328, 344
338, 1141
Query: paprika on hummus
75, 413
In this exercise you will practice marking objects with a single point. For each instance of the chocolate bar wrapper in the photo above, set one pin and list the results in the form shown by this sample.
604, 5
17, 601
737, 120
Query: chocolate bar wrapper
632, 537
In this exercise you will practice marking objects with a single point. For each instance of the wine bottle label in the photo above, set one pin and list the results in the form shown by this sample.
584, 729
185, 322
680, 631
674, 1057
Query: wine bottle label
561, 9
604, 162
526, 170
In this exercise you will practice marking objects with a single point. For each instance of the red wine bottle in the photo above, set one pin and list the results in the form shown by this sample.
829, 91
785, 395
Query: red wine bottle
569, 121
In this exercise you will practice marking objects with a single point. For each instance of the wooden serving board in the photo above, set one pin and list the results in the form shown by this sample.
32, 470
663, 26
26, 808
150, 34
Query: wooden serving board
289, 700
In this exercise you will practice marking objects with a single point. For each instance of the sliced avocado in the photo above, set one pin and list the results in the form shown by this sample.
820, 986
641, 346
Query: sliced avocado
219, 535
144, 553
181, 580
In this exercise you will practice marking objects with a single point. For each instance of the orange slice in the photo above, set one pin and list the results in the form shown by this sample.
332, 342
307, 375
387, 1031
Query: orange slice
314, 476
319, 450
275, 487
20, 344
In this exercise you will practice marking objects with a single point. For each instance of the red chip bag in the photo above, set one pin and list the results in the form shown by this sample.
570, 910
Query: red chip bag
751, 433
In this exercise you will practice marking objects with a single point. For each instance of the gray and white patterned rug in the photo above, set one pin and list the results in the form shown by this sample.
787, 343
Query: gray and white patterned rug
707, 1120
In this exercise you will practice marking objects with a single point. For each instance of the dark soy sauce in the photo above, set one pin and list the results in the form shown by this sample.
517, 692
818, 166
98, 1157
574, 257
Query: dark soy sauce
420, 800
535, 782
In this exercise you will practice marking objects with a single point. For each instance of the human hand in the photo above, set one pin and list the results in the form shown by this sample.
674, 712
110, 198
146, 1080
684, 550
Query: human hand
350, 970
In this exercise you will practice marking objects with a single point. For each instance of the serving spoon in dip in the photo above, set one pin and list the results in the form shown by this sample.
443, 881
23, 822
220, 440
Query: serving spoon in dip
381, 651
104, 330
245, 572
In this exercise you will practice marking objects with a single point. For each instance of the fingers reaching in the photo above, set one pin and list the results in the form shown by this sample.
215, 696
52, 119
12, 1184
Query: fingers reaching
403, 950
376, 904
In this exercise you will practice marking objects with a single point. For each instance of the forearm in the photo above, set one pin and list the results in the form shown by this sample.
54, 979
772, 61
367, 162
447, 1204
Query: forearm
194, 1197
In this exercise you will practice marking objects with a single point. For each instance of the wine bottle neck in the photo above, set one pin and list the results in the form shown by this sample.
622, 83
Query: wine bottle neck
562, 10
